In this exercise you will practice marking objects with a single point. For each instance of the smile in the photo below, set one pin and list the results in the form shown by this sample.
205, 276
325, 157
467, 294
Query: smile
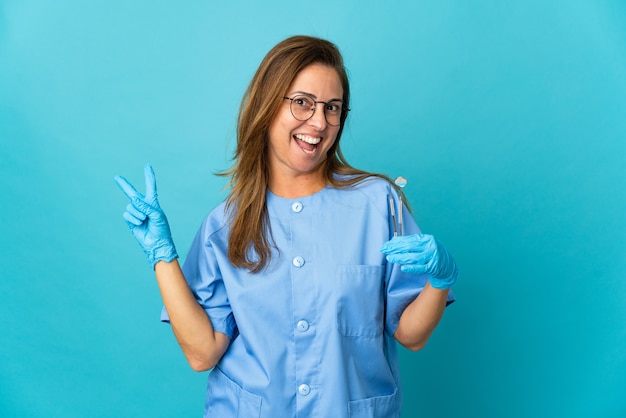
307, 143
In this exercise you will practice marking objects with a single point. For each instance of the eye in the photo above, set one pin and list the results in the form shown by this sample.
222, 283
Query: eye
303, 102
333, 108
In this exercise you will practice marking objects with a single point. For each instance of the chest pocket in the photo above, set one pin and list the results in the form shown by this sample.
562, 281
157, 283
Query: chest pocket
360, 300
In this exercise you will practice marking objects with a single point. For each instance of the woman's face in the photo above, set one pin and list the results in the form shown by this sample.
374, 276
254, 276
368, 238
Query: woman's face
298, 148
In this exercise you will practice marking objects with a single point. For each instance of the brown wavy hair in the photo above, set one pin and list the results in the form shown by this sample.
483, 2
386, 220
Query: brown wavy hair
250, 241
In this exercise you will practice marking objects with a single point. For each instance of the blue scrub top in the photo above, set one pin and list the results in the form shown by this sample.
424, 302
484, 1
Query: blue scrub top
312, 335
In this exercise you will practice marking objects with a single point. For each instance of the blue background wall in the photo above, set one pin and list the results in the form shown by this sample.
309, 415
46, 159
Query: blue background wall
508, 119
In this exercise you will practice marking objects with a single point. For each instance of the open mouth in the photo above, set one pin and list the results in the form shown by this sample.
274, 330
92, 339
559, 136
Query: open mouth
308, 144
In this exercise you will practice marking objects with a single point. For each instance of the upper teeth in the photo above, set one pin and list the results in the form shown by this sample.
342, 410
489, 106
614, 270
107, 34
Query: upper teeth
308, 139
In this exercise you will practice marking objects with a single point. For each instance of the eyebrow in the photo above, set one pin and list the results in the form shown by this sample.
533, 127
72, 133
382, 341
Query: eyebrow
314, 97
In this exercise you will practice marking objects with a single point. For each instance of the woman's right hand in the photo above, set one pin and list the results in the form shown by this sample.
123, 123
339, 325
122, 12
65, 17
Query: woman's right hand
147, 221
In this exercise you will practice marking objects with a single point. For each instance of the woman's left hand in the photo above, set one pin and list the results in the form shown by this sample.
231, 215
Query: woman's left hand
422, 253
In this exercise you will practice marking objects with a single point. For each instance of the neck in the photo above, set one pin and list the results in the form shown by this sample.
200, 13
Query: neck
297, 186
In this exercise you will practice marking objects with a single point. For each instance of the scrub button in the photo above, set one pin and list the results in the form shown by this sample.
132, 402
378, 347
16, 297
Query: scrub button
298, 261
296, 207
304, 390
303, 326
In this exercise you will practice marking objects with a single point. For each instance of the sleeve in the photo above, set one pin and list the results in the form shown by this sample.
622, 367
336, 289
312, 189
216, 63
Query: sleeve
202, 272
402, 288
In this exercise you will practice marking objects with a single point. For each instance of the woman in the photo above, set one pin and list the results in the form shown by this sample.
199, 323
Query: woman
294, 289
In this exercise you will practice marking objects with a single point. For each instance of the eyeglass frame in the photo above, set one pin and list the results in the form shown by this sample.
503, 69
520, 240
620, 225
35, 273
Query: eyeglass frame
315, 103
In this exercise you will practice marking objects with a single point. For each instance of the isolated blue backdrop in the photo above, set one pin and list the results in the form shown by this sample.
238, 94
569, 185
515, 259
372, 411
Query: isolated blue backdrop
508, 119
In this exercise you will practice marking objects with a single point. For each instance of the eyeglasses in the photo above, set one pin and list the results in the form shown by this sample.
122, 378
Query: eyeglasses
303, 107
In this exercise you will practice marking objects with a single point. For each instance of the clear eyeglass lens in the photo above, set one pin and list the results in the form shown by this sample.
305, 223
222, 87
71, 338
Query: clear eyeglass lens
302, 107
333, 113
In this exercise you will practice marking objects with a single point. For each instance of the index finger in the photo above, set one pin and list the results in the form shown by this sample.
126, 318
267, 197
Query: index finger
127, 188
405, 243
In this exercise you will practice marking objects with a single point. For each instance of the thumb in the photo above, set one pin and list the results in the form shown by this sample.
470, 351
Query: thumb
143, 207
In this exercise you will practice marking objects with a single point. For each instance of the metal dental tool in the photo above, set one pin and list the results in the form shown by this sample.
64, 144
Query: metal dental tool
393, 216
397, 227
400, 182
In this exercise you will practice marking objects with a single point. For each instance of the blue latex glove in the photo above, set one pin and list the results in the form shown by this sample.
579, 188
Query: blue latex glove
146, 219
422, 253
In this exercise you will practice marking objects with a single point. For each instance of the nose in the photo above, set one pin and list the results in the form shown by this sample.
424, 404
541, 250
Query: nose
318, 120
